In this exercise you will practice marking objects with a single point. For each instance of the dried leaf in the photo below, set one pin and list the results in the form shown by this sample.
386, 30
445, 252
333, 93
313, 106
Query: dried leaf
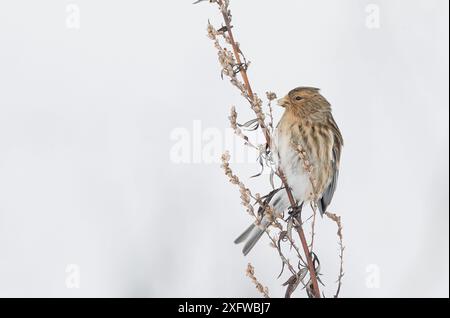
261, 163
250, 125
290, 225
272, 184
293, 282
282, 269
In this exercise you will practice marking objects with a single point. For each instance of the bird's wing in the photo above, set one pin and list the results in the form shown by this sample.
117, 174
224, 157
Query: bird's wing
327, 195
338, 140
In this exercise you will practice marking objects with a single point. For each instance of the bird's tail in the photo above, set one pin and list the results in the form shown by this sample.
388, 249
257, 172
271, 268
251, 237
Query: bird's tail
253, 233
250, 236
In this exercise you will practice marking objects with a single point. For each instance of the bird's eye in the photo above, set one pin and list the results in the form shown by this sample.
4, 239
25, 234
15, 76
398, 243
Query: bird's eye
298, 98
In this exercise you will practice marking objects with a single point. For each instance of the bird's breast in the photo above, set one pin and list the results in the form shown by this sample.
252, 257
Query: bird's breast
310, 172
289, 161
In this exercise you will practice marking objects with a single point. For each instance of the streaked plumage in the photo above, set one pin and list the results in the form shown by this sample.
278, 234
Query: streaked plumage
307, 124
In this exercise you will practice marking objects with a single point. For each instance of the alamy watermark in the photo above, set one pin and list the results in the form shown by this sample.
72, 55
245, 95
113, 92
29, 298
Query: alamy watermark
73, 276
373, 16
205, 145
373, 276
73, 16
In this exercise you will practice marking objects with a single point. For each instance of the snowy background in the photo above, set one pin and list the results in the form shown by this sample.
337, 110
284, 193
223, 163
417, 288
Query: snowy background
96, 98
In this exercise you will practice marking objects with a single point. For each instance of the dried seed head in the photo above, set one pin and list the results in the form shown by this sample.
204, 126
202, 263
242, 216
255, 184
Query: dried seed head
250, 272
212, 32
271, 96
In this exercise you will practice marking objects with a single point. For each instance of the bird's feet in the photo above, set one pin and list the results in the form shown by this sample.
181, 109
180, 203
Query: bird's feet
296, 211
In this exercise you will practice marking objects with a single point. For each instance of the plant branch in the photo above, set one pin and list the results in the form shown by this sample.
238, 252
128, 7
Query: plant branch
337, 220
251, 95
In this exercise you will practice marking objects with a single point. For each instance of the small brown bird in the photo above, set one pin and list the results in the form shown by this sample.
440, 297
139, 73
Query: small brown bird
307, 147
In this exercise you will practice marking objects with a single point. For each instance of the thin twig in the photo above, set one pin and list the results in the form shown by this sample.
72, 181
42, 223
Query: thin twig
271, 97
301, 234
337, 220
313, 226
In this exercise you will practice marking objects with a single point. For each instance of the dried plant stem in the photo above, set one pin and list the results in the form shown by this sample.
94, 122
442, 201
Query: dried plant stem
243, 72
252, 97
337, 220
313, 227
251, 273
245, 195
312, 271
237, 54
280, 253
301, 234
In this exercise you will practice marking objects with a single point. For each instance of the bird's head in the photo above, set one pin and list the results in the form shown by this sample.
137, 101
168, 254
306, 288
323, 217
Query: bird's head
305, 100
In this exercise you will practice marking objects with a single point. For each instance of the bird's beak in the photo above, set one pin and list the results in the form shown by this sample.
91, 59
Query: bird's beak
283, 102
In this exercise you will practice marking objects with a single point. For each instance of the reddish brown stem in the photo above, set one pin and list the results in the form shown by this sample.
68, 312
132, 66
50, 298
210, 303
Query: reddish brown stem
301, 234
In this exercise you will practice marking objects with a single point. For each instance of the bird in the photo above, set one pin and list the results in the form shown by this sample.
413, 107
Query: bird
306, 136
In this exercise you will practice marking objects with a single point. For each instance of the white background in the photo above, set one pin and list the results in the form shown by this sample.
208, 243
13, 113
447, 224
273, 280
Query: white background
86, 117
